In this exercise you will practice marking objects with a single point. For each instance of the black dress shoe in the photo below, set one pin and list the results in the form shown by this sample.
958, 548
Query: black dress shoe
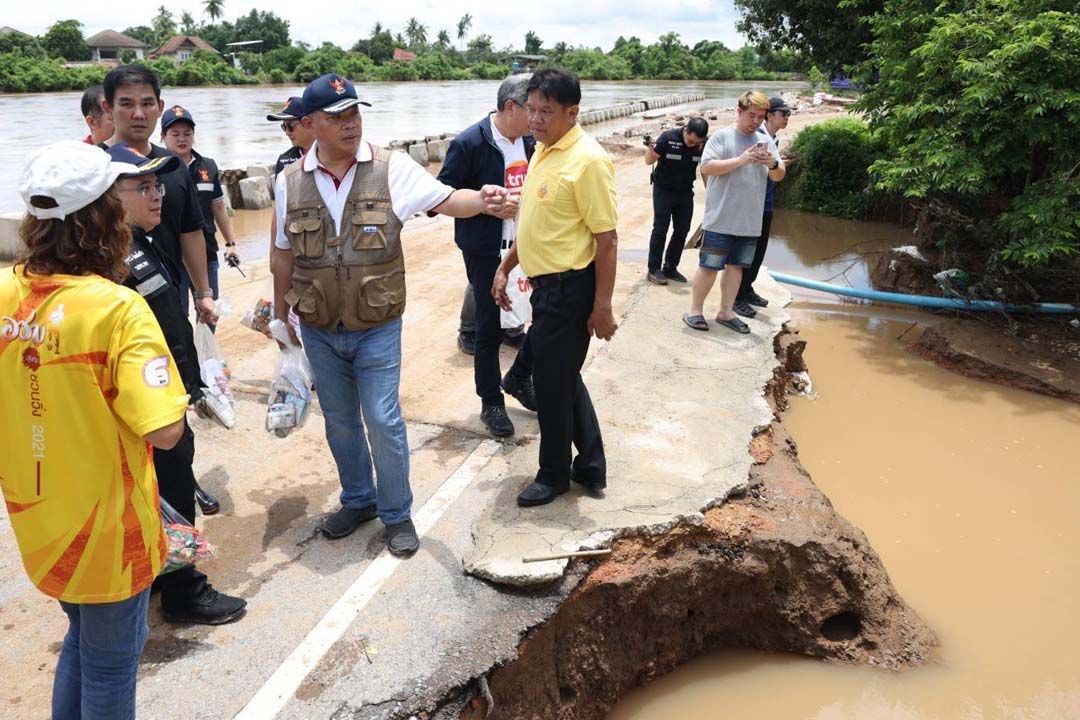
208, 608
515, 340
344, 521
538, 494
656, 277
744, 309
466, 342
207, 502
756, 300
674, 274
590, 485
497, 421
521, 390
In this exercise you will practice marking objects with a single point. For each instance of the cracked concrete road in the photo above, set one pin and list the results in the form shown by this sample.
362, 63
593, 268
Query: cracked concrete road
677, 410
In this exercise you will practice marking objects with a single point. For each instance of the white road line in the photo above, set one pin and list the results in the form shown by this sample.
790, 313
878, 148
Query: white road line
280, 687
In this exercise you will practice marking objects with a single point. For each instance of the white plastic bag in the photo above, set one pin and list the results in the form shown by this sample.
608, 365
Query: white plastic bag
289, 403
520, 292
216, 396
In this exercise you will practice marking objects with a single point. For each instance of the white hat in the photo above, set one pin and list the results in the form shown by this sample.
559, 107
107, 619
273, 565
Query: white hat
71, 174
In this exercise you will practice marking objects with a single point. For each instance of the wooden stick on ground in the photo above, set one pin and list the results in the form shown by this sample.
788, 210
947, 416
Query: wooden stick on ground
567, 555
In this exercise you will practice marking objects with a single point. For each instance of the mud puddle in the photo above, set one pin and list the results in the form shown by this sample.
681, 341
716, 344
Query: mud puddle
969, 493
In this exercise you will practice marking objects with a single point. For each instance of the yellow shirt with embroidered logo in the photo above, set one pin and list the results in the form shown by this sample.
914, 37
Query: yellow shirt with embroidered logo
568, 197
86, 374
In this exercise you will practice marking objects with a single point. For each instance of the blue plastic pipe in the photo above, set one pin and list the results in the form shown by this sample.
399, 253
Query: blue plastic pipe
926, 301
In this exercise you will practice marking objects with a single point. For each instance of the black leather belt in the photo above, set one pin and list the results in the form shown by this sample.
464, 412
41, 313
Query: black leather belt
541, 281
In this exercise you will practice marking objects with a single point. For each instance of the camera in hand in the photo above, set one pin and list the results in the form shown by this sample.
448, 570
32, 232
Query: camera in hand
647, 141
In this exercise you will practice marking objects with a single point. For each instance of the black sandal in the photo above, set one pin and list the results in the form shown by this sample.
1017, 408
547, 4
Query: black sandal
735, 324
697, 322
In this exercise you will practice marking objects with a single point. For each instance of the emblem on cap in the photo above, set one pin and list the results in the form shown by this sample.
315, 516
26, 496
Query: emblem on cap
178, 111
338, 85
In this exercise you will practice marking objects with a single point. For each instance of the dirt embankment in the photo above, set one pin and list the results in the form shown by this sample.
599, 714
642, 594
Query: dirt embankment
776, 569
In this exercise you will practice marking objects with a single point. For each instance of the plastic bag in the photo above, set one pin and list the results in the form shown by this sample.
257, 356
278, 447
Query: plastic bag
215, 375
185, 544
258, 318
289, 403
520, 292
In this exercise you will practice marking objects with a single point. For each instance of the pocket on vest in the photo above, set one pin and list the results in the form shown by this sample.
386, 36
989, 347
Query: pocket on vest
307, 237
369, 229
310, 302
381, 297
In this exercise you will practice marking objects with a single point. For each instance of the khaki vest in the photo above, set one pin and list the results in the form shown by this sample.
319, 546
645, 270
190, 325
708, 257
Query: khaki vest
356, 278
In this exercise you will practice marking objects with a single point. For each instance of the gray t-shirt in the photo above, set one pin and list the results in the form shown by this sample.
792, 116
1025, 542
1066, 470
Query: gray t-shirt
734, 203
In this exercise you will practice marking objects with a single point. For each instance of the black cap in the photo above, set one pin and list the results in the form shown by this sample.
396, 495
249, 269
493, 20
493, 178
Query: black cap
123, 153
330, 93
777, 104
293, 110
174, 115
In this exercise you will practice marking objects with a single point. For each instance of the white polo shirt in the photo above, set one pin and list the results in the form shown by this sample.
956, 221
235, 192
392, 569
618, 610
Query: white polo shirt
412, 189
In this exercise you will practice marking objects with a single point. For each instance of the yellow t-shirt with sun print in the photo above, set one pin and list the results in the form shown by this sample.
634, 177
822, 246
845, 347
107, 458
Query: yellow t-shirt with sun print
84, 374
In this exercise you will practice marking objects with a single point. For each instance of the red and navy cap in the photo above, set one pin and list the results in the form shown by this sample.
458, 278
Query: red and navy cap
331, 94
144, 165
175, 114
293, 110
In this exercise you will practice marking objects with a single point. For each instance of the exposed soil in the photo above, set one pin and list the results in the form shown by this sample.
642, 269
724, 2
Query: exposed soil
776, 569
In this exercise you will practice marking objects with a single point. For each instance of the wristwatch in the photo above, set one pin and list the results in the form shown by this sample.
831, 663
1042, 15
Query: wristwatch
200, 294
775, 164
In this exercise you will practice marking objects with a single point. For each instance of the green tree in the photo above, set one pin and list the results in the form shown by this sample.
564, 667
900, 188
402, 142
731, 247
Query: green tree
187, 23
164, 25
64, 39
141, 32
266, 26
442, 41
416, 31
380, 44
21, 43
463, 26
670, 59
978, 104
533, 44
830, 34
214, 9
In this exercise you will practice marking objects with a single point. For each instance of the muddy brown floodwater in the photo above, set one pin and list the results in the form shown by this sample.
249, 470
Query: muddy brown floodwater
968, 491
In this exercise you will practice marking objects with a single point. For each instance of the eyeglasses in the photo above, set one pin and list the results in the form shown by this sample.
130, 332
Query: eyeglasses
289, 127
147, 191
785, 113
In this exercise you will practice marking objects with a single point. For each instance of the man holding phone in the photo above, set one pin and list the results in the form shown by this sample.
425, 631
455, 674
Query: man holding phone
736, 164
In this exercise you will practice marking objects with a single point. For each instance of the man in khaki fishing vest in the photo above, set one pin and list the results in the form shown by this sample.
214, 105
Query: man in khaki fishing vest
338, 262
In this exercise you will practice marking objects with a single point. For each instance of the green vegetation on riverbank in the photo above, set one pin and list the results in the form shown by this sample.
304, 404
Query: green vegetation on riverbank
31, 64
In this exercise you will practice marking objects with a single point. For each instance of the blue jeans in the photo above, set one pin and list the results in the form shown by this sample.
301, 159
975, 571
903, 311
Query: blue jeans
95, 676
720, 249
356, 378
212, 267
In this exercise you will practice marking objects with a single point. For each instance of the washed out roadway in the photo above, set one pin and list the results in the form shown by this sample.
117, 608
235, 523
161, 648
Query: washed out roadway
340, 630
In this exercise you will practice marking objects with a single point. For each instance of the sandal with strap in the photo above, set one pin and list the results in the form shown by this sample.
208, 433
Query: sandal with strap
697, 322
735, 324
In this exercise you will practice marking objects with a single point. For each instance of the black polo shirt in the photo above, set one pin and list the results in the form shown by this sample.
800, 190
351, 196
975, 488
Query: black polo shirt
678, 163
180, 211
204, 173
287, 158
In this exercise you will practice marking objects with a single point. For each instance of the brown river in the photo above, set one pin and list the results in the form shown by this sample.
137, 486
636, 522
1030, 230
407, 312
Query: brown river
968, 491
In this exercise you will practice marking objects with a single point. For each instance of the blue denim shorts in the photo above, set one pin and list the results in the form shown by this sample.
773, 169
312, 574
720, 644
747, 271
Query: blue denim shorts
720, 249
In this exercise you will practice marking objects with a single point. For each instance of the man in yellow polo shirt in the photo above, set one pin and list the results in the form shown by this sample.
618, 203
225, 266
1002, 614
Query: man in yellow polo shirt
567, 245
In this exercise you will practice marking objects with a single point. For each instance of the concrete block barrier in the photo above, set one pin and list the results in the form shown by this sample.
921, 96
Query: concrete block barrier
255, 193
419, 153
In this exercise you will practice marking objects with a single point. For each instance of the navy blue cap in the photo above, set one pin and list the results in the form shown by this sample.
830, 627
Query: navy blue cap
142, 165
293, 110
777, 104
174, 115
330, 93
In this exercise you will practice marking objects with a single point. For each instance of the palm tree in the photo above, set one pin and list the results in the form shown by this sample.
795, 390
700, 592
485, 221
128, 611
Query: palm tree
463, 28
417, 34
443, 40
215, 9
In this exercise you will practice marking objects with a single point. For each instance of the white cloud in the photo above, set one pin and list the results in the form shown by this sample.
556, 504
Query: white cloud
591, 23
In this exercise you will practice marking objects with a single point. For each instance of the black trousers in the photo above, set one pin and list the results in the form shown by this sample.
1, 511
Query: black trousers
669, 208
560, 341
750, 274
487, 372
176, 484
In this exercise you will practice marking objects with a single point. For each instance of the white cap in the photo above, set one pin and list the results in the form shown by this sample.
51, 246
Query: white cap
73, 174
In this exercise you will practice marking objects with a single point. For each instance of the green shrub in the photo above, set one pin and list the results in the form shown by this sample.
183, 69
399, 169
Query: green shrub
435, 66
278, 76
830, 176
489, 71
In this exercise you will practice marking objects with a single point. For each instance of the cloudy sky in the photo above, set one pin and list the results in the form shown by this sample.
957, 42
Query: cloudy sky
576, 22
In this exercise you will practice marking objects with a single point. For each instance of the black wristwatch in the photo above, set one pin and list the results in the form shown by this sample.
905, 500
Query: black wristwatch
775, 164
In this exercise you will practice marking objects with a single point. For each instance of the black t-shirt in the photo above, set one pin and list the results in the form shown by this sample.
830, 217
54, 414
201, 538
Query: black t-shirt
678, 163
150, 276
204, 173
180, 211
287, 158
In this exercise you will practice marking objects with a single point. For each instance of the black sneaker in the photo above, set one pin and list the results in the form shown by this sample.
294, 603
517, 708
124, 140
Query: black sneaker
514, 340
209, 608
656, 277
401, 539
521, 390
674, 274
497, 421
756, 300
466, 343
343, 521
744, 309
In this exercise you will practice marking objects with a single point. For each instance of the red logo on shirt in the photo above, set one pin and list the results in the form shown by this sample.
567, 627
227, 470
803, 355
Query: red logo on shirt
204, 174
31, 359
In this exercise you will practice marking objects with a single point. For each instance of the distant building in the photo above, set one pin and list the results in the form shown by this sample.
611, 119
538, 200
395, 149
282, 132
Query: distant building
404, 55
5, 30
108, 44
179, 48
526, 63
